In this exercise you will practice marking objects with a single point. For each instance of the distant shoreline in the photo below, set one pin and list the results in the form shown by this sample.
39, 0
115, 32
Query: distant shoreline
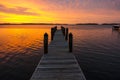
30, 24
58, 24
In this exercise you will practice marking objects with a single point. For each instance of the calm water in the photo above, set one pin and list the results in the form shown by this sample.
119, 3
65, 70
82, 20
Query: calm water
97, 49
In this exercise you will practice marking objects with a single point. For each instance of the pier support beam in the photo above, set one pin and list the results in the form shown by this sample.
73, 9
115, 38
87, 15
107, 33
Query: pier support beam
45, 43
70, 42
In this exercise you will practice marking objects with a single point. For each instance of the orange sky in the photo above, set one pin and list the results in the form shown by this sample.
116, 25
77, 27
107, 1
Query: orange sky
59, 11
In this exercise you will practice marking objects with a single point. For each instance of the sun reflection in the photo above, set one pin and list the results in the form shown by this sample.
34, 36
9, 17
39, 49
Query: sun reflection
21, 40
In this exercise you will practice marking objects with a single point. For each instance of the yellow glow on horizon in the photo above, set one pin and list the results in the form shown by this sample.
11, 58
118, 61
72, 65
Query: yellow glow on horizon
17, 18
50, 13
14, 18
26, 19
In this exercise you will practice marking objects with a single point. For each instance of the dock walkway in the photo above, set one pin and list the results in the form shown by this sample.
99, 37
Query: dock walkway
58, 64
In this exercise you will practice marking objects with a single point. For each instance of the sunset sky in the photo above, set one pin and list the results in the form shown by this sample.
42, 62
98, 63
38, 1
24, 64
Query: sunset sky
59, 11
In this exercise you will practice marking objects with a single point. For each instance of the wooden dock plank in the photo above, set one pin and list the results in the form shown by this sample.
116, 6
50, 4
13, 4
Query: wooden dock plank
58, 64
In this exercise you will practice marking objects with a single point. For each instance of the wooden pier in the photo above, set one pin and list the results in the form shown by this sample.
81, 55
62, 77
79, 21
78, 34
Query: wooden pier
58, 63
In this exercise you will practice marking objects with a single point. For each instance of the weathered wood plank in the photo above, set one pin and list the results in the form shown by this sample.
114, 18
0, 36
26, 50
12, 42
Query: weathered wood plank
58, 64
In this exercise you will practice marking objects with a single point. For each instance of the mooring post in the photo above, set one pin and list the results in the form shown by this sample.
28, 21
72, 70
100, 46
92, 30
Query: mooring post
45, 43
63, 30
66, 35
55, 28
52, 33
70, 42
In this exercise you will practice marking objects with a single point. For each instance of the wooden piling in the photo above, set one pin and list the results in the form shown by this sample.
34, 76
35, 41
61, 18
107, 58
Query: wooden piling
52, 33
45, 43
66, 34
63, 30
70, 42
53, 30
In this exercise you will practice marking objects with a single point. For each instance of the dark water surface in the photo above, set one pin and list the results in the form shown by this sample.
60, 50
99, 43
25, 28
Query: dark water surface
97, 49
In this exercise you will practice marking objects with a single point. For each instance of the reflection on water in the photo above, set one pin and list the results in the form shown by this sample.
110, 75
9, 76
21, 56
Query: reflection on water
20, 51
97, 49
15, 40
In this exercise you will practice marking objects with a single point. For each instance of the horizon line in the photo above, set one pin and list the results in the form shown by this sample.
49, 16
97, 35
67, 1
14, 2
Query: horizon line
64, 23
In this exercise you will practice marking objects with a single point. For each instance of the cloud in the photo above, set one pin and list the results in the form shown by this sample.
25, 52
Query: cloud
16, 10
101, 4
87, 5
